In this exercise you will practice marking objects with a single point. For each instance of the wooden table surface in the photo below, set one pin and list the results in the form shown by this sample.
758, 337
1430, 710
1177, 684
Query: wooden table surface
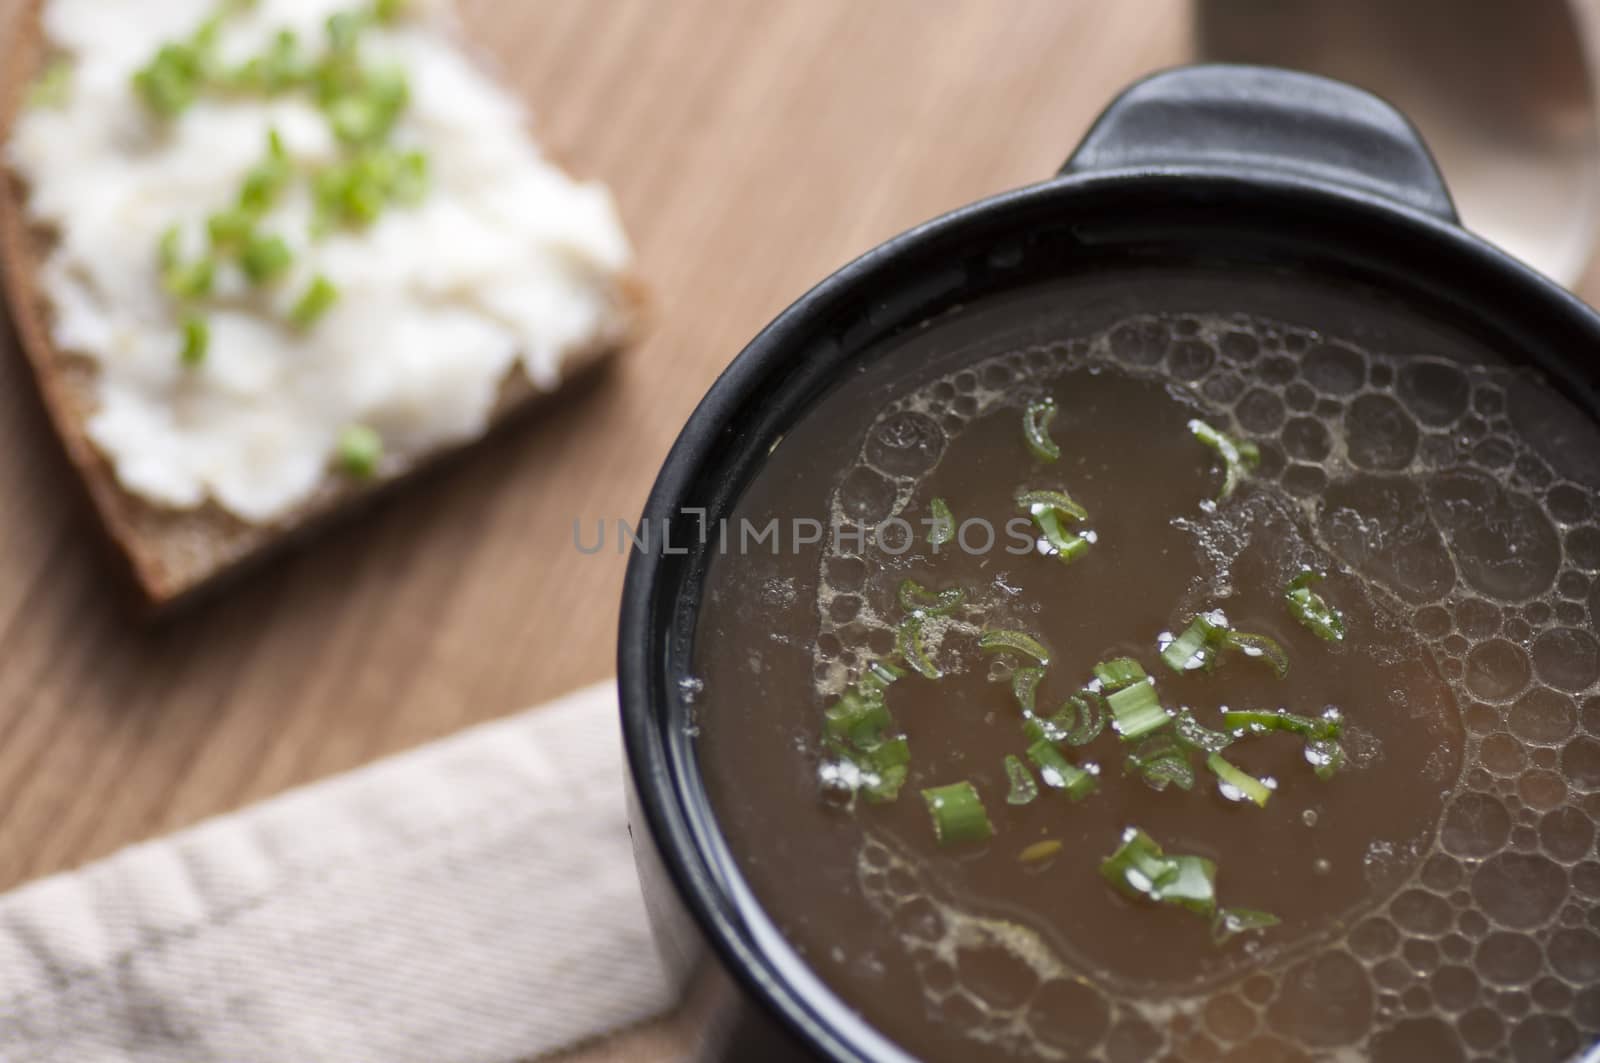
753, 148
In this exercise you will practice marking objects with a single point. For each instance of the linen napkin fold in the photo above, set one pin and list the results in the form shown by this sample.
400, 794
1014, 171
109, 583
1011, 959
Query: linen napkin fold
473, 901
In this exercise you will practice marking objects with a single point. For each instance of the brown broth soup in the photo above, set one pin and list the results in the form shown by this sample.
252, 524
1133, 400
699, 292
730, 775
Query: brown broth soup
1435, 896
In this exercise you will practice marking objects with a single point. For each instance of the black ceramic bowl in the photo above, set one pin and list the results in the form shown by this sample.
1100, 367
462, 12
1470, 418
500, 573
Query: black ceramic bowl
1212, 165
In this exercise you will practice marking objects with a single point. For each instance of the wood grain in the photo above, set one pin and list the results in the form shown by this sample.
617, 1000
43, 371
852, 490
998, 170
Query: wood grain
753, 149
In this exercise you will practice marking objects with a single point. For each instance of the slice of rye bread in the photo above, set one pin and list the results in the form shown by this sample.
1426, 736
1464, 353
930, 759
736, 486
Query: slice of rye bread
172, 554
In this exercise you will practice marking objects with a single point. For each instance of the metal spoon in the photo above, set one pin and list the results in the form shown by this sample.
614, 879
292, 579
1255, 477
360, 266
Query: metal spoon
1502, 91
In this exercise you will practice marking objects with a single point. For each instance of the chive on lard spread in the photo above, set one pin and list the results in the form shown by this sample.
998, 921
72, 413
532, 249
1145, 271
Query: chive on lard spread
505, 265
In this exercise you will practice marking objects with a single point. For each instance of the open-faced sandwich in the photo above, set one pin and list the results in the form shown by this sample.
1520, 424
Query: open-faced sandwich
267, 256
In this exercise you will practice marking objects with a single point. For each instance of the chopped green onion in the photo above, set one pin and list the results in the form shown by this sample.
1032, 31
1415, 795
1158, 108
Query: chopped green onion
355, 192
246, 77
1023, 788
53, 87
883, 769
857, 718
318, 298
170, 82
196, 341
879, 675
1056, 501
1330, 725
915, 598
282, 67
388, 10
856, 729
168, 248
1036, 428
1078, 722
204, 38
1014, 641
360, 450
1325, 756
1136, 711
1118, 672
1059, 773
1231, 921
1192, 734
337, 74
1043, 729
1196, 647
1323, 751
411, 178
1208, 635
943, 527
367, 189
1259, 647
878, 773
1238, 784
1039, 851
266, 180
1088, 717
1309, 607
1162, 762
334, 196
958, 814
1239, 457
344, 30
265, 258
909, 645
366, 116
1049, 510
185, 280
173, 78
230, 229
1140, 869
191, 281
356, 119
1024, 685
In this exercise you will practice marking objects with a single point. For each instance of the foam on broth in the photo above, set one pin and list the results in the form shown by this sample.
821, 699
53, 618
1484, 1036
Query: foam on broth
1439, 897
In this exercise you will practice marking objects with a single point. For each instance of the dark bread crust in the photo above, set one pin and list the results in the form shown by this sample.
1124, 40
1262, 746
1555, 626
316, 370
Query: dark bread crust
174, 554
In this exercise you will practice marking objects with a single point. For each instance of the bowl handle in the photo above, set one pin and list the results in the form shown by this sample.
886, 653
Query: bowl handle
1246, 119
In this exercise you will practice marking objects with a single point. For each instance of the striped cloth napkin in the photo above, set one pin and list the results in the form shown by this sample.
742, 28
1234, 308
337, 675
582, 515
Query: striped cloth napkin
473, 901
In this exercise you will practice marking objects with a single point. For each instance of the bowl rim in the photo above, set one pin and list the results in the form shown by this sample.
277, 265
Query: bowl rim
1528, 306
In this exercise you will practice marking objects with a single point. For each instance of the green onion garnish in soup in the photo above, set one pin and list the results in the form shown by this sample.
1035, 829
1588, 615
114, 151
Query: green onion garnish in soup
1024, 687
1239, 457
1059, 773
915, 598
1229, 922
1052, 511
1036, 429
1237, 784
1078, 721
1141, 870
1023, 788
958, 814
1208, 636
1197, 736
942, 527
1309, 607
1117, 673
1162, 761
911, 645
1014, 642
1136, 710
1242, 767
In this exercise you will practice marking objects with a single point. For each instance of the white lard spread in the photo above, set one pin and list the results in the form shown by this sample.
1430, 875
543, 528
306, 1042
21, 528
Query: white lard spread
506, 261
